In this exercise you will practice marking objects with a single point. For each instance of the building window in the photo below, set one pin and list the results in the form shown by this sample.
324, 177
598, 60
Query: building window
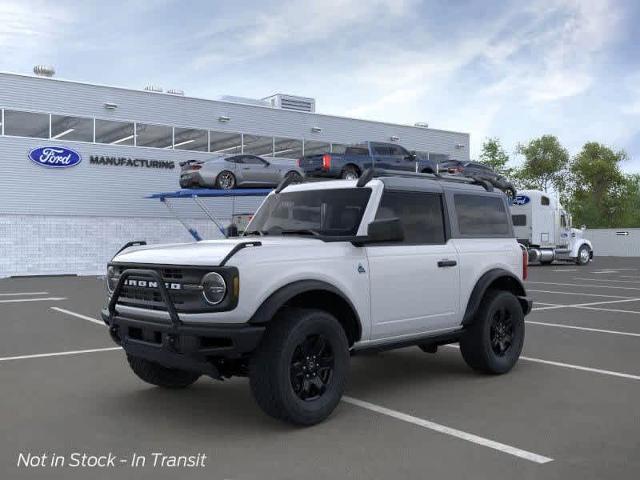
157, 136
312, 147
114, 133
225, 143
287, 148
71, 128
26, 124
190, 139
257, 145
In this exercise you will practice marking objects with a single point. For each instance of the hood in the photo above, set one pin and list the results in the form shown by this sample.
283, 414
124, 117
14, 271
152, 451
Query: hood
205, 253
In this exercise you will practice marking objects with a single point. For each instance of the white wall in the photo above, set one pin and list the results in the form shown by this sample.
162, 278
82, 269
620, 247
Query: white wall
52, 245
611, 242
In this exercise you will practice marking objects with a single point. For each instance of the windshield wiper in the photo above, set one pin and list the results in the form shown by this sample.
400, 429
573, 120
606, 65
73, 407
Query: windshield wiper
255, 232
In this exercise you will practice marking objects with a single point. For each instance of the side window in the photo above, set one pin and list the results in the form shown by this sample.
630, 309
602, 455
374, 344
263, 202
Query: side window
519, 220
420, 214
544, 201
381, 150
482, 216
397, 150
252, 160
234, 159
563, 221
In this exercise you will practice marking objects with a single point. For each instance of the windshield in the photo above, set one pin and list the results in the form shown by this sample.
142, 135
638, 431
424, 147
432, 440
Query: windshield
331, 212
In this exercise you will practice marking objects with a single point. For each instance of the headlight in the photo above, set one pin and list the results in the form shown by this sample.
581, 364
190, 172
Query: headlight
214, 288
112, 281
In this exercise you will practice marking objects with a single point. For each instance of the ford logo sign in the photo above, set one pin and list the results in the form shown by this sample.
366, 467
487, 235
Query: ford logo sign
55, 157
521, 200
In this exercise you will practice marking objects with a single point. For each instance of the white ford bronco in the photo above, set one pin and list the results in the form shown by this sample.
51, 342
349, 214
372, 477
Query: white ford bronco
326, 270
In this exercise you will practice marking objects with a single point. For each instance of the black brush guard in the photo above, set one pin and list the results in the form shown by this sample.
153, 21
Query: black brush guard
174, 344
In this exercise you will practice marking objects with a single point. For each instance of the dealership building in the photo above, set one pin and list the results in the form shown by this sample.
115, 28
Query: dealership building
127, 144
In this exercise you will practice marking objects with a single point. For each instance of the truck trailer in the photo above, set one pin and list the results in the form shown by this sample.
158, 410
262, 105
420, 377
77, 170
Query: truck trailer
545, 229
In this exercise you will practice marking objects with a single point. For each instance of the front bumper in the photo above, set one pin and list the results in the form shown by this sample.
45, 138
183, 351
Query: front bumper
202, 348
187, 347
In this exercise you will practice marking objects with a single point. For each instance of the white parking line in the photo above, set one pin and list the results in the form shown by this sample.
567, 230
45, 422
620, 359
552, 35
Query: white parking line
609, 280
59, 354
576, 293
584, 329
583, 285
20, 300
469, 437
78, 315
572, 366
614, 310
22, 293
551, 306
564, 270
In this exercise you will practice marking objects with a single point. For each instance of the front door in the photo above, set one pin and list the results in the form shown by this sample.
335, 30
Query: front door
255, 170
414, 283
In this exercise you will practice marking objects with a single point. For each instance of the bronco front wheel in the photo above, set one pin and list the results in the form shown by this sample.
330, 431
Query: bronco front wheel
299, 372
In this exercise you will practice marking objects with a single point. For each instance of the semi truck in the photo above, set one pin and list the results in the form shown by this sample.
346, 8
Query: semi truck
545, 229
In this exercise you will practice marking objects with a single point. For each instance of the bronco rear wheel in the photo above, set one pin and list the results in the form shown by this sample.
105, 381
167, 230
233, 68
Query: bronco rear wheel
493, 342
156, 374
299, 372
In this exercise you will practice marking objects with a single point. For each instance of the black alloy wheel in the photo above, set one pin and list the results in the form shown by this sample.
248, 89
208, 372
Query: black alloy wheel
311, 368
501, 332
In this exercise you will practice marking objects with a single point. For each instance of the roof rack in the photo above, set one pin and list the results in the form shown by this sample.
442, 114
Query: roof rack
370, 173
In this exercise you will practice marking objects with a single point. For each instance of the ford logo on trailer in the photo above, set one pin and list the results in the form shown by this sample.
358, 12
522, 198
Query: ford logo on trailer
521, 200
55, 157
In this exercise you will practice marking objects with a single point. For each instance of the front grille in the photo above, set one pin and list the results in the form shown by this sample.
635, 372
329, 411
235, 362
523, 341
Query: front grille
184, 299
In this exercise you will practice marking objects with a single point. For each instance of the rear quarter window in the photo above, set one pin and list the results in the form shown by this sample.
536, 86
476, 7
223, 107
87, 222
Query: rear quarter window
482, 216
519, 220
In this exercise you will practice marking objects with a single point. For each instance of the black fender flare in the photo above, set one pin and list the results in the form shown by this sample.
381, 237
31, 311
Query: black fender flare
281, 296
507, 280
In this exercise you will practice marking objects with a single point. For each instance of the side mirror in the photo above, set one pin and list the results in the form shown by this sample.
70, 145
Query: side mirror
583, 227
412, 155
382, 231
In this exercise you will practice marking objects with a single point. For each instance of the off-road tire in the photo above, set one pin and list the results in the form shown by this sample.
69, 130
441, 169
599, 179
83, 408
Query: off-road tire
270, 368
476, 342
156, 374
580, 259
349, 172
219, 180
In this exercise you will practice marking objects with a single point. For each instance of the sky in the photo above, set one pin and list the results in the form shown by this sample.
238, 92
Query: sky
508, 69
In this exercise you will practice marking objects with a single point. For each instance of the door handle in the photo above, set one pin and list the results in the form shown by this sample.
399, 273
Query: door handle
447, 263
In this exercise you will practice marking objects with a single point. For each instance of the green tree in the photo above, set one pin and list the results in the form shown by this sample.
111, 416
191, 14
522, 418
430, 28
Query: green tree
494, 156
601, 194
545, 164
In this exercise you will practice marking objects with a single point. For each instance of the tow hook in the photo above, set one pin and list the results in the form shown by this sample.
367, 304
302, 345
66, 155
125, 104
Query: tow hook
172, 341
115, 334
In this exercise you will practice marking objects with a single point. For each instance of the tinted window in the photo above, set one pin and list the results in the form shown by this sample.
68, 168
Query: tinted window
71, 128
397, 150
258, 145
158, 136
114, 133
544, 200
358, 150
191, 139
252, 160
332, 212
225, 143
312, 147
287, 147
482, 216
381, 150
338, 148
420, 214
519, 220
26, 124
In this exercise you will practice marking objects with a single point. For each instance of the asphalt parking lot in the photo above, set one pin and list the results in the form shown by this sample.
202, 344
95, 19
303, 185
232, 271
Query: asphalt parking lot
570, 409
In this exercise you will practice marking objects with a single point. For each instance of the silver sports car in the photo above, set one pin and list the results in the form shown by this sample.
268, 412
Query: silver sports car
226, 172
